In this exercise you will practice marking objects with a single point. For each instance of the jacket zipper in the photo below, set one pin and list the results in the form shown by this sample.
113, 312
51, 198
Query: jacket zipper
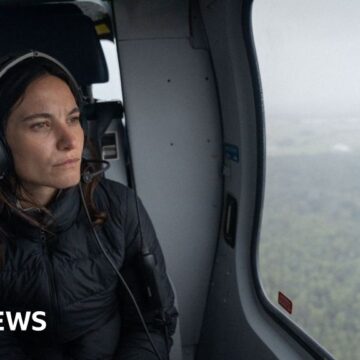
52, 287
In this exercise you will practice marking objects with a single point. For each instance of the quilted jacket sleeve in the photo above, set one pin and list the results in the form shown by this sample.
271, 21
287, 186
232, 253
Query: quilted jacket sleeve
10, 346
134, 342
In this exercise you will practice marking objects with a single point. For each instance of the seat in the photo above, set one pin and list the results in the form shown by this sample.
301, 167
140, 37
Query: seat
60, 30
64, 32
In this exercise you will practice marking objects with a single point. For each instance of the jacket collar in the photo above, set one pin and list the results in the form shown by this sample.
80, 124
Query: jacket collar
64, 209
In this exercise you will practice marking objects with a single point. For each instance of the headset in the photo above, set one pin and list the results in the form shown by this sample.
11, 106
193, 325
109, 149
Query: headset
147, 261
9, 62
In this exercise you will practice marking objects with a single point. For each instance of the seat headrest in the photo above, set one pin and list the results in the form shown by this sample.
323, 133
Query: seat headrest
68, 36
103, 113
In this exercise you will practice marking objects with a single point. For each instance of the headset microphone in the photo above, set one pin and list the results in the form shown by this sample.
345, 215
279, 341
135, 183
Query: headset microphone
88, 176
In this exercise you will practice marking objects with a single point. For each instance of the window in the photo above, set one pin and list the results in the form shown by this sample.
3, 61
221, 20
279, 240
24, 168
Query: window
309, 250
110, 90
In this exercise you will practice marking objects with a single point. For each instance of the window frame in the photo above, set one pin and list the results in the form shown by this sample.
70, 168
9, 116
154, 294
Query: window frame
305, 340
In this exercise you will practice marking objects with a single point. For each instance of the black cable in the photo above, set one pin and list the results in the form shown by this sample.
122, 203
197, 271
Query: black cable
119, 275
145, 252
144, 249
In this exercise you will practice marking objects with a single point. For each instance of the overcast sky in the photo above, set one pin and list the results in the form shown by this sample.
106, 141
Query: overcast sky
112, 89
309, 56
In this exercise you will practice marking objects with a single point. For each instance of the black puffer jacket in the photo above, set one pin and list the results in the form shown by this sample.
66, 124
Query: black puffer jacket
88, 313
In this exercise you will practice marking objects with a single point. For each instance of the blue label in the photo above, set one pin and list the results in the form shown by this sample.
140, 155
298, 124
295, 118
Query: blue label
231, 152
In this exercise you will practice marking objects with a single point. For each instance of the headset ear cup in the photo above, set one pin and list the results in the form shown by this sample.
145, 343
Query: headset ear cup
4, 158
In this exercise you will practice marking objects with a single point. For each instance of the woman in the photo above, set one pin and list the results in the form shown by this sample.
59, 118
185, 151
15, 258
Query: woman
51, 258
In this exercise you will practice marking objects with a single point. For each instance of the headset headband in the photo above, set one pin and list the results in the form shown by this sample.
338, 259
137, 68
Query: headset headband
13, 61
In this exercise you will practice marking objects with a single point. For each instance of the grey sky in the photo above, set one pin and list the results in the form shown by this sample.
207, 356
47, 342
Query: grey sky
309, 56
112, 89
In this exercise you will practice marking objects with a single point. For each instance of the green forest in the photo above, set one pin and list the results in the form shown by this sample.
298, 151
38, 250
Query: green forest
310, 242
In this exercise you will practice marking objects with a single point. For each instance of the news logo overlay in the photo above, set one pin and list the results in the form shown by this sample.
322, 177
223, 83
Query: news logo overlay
22, 321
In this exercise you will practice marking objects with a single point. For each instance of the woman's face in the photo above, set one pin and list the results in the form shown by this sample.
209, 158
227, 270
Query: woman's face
45, 136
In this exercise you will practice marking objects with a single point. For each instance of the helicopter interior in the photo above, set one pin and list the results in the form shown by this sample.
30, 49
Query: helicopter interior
190, 119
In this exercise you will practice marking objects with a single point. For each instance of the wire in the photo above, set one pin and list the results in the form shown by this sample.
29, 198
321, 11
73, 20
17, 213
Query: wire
119, 275
144, 249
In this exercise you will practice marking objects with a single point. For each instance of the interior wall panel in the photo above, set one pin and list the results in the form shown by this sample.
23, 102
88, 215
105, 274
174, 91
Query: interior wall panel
171, 108
144, 19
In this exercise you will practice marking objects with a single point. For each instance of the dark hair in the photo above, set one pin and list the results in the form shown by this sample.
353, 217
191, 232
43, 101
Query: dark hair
12, 89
